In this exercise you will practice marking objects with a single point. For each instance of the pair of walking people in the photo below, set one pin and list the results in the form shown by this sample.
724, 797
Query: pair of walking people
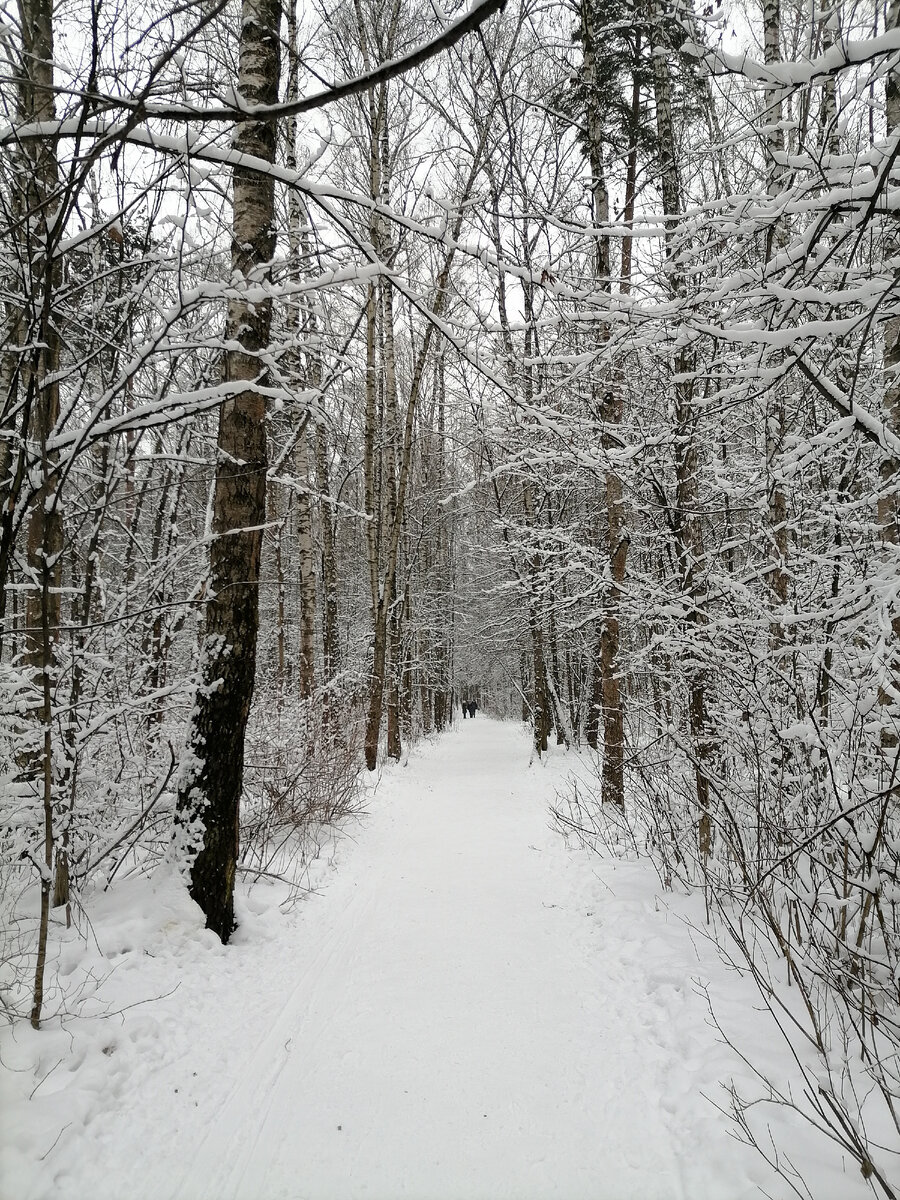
469, 707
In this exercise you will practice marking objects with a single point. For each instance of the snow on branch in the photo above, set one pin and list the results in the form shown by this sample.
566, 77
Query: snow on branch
237, 109
875, 431
798, 73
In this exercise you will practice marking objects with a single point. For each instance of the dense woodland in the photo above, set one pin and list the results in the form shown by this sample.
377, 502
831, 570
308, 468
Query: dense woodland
359, 358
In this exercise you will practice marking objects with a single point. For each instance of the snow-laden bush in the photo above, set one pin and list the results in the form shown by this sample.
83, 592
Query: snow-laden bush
802, 880
301, 778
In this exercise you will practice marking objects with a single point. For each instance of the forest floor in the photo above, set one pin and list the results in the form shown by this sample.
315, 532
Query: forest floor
464, 1008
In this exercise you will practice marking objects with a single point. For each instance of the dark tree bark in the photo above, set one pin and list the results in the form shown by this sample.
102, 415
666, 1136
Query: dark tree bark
210, 793
606, 692
331, 648
40, 413
685, 514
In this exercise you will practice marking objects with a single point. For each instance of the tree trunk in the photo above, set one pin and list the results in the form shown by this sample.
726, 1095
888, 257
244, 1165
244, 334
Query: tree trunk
543, 719
376, 687
685, 518
278, 524
373, 540
40, 415
392, 517
210, 792
613, 788
331, 648
306, 674
301, 324
394, 732
560, 716
606, 695
775, 416
384, 558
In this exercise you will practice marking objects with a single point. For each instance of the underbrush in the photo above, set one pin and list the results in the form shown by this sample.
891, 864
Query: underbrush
301, 779
114, 815
801, 888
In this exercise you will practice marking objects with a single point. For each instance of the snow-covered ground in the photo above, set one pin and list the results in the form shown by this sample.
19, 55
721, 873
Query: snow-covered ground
465, 1008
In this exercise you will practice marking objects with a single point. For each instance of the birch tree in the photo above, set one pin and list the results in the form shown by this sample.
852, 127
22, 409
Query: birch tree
210, 790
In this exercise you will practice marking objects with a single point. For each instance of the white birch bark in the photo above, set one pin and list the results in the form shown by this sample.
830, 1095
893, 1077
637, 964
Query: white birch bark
210, 789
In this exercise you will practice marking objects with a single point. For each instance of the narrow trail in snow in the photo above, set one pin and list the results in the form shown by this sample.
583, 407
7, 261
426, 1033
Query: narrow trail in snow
458, 1028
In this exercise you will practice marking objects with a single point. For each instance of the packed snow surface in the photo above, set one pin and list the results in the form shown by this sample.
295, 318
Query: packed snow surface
465, 1008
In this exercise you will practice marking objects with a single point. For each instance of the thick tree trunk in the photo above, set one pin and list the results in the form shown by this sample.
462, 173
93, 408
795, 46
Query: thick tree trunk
210, 792
440, 707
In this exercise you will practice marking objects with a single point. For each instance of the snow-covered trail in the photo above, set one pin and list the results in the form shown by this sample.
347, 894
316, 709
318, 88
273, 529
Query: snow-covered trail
449, 1034
466, 1010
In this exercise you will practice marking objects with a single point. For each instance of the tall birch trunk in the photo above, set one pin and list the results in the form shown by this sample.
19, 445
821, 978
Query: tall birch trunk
210, 791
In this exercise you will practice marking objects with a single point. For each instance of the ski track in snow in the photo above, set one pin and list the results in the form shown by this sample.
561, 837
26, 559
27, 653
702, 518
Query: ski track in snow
444, 1040
468, 1010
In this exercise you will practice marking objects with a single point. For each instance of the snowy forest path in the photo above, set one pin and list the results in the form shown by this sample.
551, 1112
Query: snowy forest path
465, 1009
458, 1028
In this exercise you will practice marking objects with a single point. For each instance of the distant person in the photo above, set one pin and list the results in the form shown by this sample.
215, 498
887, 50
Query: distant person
465, 708
472, 707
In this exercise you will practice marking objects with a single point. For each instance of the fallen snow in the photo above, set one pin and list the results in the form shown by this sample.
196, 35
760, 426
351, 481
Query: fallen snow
464, 1008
